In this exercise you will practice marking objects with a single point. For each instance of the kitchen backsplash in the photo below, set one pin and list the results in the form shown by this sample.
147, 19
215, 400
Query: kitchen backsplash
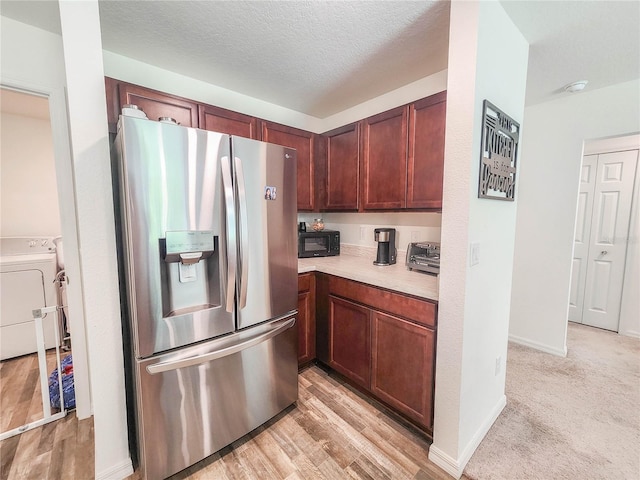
357, 228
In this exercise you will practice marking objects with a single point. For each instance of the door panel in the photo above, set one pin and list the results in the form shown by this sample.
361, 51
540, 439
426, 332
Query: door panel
171, 190
608, 240
402, 356
384, 160
186, 414
349, 340
582, 236
268, 270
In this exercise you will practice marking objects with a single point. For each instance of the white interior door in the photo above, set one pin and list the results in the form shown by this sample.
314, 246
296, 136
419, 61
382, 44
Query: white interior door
582, 237
612, 196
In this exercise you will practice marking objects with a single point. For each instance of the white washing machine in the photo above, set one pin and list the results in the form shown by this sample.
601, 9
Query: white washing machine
28, 270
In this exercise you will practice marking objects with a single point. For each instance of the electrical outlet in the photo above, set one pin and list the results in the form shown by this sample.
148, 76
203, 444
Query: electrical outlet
475, 254
363, 233
498, 365
415, 236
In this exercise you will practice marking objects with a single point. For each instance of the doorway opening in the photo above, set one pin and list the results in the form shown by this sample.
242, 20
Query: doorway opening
605, 270
32, 268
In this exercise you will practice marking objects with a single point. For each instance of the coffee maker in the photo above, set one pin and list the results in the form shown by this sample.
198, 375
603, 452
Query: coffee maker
386, 238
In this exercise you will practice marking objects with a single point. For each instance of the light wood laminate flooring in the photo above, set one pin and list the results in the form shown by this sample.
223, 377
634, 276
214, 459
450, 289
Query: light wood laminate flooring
20, 398
57, 450
332, 432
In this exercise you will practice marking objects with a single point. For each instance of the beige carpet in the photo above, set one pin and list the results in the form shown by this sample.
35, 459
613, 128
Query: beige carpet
567, 418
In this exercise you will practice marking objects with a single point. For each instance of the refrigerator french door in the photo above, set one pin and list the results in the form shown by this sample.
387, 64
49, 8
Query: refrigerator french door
209, 249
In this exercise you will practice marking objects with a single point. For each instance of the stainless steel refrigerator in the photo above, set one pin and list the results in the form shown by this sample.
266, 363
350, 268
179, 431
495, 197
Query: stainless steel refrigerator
209, 250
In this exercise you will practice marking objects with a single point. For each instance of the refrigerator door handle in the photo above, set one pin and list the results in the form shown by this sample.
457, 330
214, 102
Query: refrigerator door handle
244, 233
278, 328
225, 166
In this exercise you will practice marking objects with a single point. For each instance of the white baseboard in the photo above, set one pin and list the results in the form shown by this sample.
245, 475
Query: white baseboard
445, 462
538, 346
629, 333
455, 467
116, 472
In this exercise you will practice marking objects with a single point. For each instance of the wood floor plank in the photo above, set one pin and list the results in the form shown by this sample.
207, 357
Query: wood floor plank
390, 450
234, 467
7, 454
57, 460
308, 470
355, 470
280, 461
303, 441
25, 453
40, 466
331, 469
331, 433
258, 464
68, 455
47, 438
372, 469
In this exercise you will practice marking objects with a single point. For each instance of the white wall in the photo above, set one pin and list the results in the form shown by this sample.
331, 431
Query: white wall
32, 61
28, 190
357, 228
487, 60
82, 45
551, 156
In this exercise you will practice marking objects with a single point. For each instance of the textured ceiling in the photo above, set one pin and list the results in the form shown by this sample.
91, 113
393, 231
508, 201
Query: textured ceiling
321, 57
317, 57
598, 41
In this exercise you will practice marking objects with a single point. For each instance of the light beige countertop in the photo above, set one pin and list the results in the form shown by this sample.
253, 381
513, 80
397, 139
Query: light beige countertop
356, 263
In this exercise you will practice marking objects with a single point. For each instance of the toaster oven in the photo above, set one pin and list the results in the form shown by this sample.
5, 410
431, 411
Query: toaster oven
424, 256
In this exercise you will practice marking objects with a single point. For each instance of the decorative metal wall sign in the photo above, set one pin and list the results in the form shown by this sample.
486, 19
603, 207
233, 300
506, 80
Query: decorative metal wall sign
500, 134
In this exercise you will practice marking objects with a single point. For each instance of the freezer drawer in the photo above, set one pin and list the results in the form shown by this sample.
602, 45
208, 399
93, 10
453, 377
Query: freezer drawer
197, 400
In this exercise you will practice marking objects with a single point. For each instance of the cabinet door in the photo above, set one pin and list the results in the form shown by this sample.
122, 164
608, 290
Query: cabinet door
384, 163
220, 120
156, 104
303, 142
402, 373
349, 340
426, 152
342, 168
306, 319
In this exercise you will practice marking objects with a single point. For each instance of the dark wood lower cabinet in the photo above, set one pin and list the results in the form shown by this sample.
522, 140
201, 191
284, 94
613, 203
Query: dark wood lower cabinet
349, 340
402, 356
306, 318
390, 354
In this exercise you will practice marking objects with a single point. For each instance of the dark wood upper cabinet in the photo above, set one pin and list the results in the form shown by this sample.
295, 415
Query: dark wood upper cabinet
218, 119
384, 160
157, 104
342, 168
303, 142
113, 103
426, 152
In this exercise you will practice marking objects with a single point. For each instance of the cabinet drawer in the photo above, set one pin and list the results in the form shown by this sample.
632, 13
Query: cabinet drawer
417, 310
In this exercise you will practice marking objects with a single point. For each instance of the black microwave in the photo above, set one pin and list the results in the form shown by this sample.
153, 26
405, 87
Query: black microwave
325, 243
